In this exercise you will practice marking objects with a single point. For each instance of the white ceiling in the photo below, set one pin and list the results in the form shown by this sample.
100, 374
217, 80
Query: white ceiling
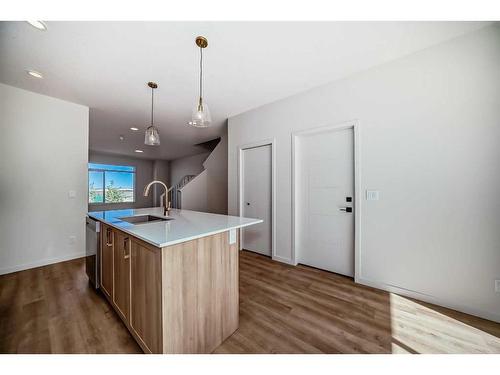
105, 65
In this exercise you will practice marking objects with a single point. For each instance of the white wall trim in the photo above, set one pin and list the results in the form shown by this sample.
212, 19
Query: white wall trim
265, 142
430, 299
284, 260
354, 125
40, 263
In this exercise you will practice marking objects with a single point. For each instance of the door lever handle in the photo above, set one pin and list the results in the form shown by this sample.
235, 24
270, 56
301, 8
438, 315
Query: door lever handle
346, 209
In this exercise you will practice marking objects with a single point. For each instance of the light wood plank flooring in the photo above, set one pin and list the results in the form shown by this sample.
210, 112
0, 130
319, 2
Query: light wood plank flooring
283, 309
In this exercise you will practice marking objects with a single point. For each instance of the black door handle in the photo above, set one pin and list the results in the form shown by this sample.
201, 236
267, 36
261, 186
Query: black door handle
346, 209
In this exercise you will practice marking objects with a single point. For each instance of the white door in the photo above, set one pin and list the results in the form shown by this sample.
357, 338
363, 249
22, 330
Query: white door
325, 200
256, 199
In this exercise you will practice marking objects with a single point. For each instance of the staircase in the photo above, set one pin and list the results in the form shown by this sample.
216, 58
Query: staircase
207, 191
175, 193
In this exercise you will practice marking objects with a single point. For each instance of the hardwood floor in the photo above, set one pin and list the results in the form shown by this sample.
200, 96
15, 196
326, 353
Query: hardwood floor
283, 309
53, 309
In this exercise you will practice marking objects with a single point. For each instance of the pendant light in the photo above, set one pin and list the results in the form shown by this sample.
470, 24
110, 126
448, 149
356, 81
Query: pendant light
152, 137
201, 115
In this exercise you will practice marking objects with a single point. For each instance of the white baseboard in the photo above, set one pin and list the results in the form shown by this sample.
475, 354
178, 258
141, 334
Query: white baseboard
39, 263
430, 299
283, 260
413, 294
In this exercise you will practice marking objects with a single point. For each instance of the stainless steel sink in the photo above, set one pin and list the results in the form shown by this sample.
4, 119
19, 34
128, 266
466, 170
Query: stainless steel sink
143, 219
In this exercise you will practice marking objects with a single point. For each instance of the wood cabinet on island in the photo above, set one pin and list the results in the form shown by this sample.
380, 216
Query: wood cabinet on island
172, 280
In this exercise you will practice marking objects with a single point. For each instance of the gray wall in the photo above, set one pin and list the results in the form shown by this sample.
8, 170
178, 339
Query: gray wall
161, 171
144, 174
43, 157
187, 165
430, 142
208, 191
216, 166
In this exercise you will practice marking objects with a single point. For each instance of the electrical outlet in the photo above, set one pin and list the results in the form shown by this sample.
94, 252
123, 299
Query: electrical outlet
372, 195
497, 286
232, 236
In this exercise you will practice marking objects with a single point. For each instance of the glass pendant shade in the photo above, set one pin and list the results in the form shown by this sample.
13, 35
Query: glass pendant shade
201, 116
152, 137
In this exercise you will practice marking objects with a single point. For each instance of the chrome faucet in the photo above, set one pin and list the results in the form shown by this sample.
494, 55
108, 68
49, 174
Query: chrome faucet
166, 208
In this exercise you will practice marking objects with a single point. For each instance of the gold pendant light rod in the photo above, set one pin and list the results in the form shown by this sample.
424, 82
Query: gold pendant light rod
153, 86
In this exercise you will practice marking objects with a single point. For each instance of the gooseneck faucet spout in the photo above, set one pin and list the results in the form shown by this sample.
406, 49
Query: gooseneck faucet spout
166, 207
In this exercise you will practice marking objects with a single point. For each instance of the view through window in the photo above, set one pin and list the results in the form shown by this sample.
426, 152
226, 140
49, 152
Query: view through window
111, 183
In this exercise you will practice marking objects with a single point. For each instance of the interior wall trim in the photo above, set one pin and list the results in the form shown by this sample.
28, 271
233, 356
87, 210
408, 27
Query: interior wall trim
351, 124
430, 299
40, 263
265, 142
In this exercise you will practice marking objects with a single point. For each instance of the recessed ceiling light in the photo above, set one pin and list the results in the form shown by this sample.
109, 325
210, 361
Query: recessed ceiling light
134, 129
139, 151
34, 73
40, 25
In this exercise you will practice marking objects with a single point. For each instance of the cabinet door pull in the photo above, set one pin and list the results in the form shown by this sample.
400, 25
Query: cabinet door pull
126, 250
108, 237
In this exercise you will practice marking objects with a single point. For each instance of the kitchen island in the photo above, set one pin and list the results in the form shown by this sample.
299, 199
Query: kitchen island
173, 280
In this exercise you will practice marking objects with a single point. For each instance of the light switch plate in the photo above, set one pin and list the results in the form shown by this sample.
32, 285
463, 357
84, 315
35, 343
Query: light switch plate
372, 195
232, 236
71, 194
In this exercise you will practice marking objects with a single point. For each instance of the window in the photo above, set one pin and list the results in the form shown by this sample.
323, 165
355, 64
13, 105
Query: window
111, 183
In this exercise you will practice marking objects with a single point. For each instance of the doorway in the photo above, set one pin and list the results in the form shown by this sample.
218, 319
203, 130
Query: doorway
257, 196
325, 198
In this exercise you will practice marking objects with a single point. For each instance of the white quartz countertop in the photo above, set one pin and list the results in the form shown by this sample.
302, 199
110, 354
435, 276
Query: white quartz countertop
185, 225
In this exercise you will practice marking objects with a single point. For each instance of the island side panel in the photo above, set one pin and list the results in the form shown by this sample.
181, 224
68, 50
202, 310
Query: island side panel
231, 297
200, 294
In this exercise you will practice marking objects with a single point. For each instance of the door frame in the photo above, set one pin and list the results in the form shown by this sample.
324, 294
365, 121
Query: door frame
265, 142
354, 125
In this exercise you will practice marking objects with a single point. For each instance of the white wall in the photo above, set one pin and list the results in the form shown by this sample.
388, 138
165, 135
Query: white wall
194, 194
430, 142
43, 156
189, 165
216, 167
144, 175
207, 192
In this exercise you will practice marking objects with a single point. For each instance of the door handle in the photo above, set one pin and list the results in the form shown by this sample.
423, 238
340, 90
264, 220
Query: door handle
248, 204
346, 209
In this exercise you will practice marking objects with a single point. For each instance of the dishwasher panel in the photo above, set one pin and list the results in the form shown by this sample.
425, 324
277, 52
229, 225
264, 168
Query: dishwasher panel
92, 247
